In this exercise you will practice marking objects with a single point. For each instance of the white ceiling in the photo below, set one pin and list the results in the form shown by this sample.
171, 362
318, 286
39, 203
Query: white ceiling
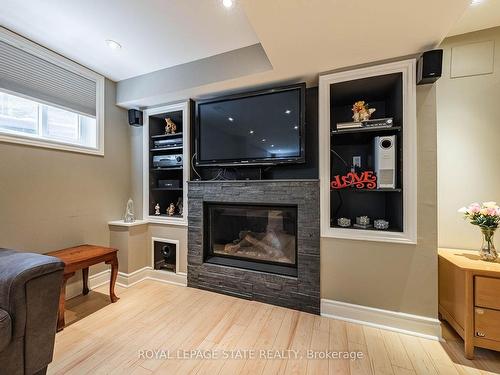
154, 34
484, 15
303, 38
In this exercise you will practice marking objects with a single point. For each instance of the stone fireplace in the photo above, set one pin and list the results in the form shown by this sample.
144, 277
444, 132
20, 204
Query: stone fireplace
256, 237
256, 240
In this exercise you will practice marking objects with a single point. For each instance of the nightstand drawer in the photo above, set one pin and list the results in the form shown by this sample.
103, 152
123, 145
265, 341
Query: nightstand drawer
487, 324
487, 292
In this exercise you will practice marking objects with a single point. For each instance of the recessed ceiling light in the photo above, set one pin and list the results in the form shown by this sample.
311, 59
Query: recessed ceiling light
112, 44
295, 127
251, 131
263, 139
272, 145
288, 111
227, 3
476, 2
230, 119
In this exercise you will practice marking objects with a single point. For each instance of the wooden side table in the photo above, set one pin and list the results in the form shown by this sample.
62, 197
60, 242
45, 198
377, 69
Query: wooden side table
469, 298
81, 258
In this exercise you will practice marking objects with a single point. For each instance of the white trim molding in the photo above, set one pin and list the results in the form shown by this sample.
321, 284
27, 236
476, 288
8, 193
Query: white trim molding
409, 324
409, 234
126, 280
75, 288
184, 107
148, 273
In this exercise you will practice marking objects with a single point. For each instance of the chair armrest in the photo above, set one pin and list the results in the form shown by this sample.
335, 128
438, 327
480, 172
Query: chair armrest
17, 269
5, 329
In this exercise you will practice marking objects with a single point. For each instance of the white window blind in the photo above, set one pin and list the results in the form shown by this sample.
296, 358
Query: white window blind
24, 73
47, 100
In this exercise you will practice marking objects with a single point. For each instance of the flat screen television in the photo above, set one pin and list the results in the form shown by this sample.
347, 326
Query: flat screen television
258, 128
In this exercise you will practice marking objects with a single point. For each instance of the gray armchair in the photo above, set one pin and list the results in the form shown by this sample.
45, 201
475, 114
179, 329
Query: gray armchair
30, 285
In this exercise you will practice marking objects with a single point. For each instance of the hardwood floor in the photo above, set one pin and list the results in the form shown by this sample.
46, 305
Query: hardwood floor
119, 338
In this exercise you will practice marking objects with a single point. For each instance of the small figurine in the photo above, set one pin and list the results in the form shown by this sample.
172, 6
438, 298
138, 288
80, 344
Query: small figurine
157, 209
171, 210
180, 205
129, 212
170, 127
361, 112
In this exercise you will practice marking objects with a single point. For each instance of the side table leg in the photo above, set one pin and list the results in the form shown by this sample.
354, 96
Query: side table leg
62, 299
85, 278
112, 282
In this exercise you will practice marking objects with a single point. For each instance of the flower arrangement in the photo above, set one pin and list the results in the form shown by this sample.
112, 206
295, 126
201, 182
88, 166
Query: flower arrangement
487, 217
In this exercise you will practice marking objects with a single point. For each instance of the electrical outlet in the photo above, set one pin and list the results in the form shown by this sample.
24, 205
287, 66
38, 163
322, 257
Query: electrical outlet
356, 161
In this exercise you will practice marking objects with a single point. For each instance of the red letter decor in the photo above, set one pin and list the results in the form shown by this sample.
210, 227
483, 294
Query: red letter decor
362, 180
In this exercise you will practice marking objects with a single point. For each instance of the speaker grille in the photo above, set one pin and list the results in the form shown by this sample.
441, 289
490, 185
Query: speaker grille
385, 177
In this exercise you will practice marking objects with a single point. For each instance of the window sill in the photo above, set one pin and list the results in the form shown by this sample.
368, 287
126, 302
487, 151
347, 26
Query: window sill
29, 141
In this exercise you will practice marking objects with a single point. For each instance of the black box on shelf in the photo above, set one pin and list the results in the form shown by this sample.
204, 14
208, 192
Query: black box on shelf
168, 143
174, 184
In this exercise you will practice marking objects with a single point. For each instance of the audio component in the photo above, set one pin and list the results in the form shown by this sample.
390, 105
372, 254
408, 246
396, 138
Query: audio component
169, 184
375, 123
135, 117
168, 143
385, 161
429, 67
162, 161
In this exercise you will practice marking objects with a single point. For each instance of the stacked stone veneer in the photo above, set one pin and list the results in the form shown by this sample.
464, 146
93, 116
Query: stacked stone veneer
301, 292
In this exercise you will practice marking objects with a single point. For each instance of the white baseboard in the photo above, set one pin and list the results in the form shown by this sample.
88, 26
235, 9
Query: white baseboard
415, 325
148, 273
126, 280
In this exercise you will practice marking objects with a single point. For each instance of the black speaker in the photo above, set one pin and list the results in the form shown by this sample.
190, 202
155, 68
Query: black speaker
135, 117
429, 67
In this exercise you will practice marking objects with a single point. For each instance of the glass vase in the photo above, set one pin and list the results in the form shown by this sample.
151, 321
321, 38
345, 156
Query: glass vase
488, 251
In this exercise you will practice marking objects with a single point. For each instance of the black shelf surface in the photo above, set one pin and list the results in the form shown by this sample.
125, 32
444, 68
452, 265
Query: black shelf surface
166, 135
176, 216
167, 169
354, 190
366, 130
390, 229
167, 189
166, 148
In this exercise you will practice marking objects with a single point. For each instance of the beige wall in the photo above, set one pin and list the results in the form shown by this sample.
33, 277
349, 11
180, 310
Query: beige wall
52, 199
392, 276
468, 142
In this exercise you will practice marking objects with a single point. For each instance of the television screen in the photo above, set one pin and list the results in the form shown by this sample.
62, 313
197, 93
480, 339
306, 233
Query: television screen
259, 128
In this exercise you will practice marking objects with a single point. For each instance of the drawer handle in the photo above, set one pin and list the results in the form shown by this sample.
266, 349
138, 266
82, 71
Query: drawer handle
479, 311
480, 334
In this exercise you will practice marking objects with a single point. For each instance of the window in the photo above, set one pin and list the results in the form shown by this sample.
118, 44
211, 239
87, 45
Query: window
28, 118
47, 100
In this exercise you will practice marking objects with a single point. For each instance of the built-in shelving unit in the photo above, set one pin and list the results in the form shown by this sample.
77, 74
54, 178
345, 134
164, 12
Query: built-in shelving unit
154, 192
390, 89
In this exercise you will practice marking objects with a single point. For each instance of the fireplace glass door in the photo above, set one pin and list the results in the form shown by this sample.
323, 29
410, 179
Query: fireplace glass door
257, 237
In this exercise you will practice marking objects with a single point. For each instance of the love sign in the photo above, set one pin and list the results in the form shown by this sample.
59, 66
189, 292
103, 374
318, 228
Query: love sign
363, 180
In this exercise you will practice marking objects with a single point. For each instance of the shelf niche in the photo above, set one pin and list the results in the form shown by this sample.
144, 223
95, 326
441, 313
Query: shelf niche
154, 193
390, 89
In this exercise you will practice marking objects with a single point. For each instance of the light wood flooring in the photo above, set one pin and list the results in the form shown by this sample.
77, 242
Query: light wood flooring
104, 338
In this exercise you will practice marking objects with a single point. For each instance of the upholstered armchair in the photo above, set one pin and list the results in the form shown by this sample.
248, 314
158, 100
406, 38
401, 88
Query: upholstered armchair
30, 285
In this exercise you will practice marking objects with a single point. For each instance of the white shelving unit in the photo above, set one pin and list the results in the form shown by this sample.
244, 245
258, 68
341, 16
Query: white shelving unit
407, 227
151, 193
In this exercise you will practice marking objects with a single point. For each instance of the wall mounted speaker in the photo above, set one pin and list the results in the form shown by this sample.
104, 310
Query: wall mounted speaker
385, 161
135, 117
429, 67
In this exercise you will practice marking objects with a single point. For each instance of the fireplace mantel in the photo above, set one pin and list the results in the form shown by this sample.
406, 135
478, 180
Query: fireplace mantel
301, 292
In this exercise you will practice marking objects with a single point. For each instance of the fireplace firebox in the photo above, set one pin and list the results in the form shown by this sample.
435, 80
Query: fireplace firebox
256, 237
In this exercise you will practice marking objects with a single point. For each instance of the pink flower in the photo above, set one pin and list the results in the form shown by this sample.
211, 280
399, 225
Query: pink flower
474, 208
491, 211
